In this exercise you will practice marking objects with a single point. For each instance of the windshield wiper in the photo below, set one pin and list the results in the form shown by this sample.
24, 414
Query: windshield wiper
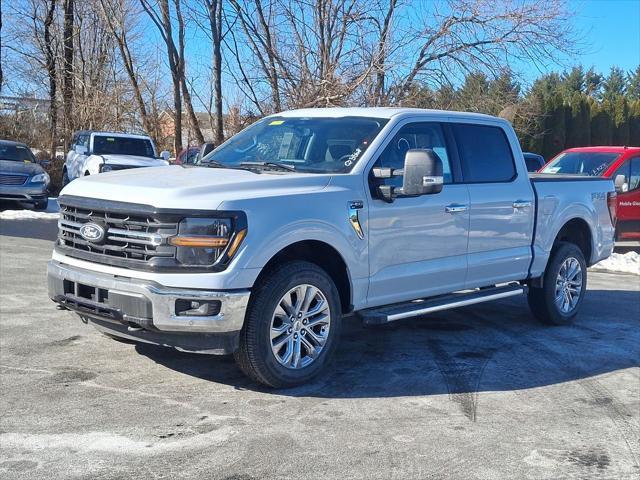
282, 166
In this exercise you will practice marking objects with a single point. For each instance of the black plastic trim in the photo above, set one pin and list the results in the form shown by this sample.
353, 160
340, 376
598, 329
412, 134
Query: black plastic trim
159, 264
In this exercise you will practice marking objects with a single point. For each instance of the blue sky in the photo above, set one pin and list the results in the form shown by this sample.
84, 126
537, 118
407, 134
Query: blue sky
612, 31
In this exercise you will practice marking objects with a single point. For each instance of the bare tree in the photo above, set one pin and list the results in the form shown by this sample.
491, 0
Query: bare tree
482, 35
308, 53
117, 14
175, 56
50, 61
67, 70
1, 45
214, 14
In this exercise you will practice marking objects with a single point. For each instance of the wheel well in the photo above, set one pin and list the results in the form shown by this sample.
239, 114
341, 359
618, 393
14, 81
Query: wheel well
324, 256
576, 231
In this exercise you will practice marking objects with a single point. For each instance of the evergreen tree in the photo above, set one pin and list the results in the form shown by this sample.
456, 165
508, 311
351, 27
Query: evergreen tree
473, 96
634, 124
620, 116
504, 92
633, 84
573, 82
554, 126
592, 83
578, 121
614, 85
601, 124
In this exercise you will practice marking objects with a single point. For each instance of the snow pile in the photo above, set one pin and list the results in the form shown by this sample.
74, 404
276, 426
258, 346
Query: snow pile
620, 262
28, 215
51, 213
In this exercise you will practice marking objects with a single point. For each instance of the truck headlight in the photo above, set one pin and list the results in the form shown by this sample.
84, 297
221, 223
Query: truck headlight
105, 168
40, 178
207, 241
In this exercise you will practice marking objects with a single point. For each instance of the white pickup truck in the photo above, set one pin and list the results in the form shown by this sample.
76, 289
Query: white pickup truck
310, 215
97, 152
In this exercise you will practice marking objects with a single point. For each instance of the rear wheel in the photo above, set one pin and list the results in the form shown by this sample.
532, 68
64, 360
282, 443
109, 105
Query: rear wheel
291, 327
558, 301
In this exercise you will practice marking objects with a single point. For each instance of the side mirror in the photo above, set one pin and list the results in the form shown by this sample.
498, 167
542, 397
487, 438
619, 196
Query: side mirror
165, 155
205, 149
80, 149
621, 184
422, 173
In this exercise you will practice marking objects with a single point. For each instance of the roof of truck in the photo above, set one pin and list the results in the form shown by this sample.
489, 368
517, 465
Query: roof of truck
604, 149
377, 112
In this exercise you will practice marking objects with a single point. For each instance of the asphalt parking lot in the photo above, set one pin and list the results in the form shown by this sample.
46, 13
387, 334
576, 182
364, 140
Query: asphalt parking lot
483, 392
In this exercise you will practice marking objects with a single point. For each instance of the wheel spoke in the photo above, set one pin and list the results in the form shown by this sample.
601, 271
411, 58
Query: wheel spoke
321, 306
318, 339
319, 320
309, 295
296, 353
278, 345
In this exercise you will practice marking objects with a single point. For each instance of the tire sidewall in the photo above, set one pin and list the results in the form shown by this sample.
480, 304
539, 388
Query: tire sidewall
261, 310
564, 251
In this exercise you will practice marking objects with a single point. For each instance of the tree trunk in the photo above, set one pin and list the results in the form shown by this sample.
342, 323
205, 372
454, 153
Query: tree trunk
215, 23
67, 73
52, 74
193, 120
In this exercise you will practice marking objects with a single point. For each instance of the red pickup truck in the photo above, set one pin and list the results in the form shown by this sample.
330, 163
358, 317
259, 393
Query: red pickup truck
622, 164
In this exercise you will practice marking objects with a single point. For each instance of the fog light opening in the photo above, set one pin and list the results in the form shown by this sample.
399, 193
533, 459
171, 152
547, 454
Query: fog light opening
186, 307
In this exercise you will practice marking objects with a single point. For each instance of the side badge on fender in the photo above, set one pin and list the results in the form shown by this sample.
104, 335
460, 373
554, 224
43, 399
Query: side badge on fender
354, 206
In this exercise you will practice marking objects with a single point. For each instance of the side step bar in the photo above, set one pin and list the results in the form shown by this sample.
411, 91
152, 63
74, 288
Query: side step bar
390, 313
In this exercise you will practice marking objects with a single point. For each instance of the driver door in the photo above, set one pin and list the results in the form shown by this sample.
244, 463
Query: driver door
417, 245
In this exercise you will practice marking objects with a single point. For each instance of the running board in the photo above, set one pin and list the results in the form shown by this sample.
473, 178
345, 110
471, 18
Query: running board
390, 313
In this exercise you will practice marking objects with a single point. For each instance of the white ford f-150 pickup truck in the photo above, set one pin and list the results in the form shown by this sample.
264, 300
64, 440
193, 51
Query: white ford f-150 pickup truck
98, 152
310, 215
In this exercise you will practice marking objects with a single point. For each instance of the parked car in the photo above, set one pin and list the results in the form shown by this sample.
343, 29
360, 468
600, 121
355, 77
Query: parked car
97, 152
622, 164
312, 214
22, 178
533, 161
187, 156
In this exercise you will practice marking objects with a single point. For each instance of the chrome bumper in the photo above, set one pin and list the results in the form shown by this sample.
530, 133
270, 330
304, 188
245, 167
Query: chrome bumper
143, 303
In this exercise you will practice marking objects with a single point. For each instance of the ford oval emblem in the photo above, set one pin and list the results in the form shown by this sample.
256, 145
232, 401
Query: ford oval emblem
92, 232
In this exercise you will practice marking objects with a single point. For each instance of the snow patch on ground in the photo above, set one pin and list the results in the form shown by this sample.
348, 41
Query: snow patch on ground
620, 262
51, 213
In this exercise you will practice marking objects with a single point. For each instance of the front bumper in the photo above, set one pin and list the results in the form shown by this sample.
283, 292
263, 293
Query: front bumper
24, 193
147, 310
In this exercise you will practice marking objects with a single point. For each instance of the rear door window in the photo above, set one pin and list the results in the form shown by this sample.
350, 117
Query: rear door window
634, 175
485, 153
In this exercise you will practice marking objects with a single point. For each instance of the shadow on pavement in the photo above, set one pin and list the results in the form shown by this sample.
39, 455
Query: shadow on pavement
491, 347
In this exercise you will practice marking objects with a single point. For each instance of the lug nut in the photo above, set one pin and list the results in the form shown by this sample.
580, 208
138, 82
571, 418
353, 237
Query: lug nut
300, 315
303, 332
295, 335
305, 321
289, 330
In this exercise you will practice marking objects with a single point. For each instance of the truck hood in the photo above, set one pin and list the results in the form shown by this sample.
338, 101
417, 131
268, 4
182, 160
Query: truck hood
25, 168
198, 188
133, 160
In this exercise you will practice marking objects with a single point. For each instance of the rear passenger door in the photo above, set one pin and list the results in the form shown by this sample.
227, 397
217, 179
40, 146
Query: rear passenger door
501, 205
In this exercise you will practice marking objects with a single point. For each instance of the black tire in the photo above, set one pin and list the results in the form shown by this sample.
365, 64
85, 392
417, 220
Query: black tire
542, 300
65, 178
41, 205
254, 356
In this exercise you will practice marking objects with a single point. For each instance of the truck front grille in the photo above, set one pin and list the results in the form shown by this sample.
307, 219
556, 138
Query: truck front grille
9, 179
131, 239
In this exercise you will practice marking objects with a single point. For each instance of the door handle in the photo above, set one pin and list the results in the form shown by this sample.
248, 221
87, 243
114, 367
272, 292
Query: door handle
456, 208
521, 204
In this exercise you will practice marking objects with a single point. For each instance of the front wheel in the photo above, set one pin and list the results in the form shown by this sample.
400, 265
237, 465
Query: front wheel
564, 284
291, 327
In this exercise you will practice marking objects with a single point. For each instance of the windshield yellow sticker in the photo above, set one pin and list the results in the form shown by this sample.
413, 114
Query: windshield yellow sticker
110, 139
277, 122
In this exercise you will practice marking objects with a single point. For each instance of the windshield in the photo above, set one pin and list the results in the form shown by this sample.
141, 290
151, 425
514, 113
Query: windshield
310, 145
104, 145
584, 163
16, 153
